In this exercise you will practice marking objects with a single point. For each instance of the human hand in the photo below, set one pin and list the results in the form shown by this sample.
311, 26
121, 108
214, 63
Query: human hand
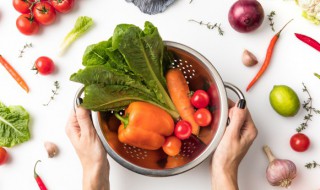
235, 143
89, 149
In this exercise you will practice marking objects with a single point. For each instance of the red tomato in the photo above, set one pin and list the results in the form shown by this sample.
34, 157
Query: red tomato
202, 117
200, 99
44, 13
21, 6
3, 155
299, 142
44, 65
172, 146
62, 6
27, 25
183, 129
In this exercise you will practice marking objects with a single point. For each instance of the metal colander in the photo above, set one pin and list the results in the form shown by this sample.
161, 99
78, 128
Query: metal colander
200, 74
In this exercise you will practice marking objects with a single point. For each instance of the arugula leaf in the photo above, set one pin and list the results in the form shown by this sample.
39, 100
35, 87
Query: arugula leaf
82, 25
14, 122
127, 67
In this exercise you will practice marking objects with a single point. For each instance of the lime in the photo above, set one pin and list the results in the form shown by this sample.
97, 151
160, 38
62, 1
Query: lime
284, 100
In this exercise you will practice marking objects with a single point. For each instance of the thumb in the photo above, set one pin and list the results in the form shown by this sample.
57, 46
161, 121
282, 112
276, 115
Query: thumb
84, 120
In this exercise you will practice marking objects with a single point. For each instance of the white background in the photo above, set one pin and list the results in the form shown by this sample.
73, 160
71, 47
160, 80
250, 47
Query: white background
293, 63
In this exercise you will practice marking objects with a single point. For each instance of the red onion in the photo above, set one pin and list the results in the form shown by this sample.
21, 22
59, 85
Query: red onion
280, 172
246, 15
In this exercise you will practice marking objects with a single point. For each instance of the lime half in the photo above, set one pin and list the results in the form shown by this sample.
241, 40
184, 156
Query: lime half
284, 100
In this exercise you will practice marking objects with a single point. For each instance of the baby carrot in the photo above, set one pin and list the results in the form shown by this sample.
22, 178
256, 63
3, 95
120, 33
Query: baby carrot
268, 57
14, 74
179, 93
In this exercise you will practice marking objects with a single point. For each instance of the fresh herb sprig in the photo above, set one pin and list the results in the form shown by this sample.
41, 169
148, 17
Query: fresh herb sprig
21, 52
270, 18
54, 92
307, 105
210, 26
317, 75
312, 164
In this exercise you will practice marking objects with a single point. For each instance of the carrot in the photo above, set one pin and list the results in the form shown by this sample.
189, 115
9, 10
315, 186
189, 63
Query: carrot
179, 93
14, 74
268, 57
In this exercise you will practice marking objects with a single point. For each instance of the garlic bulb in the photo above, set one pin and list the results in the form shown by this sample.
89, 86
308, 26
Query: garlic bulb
280, 172
248, 59
51, 148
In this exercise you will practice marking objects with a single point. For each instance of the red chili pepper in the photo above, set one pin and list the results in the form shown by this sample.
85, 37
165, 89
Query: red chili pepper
308, 40
41, 185
267, 58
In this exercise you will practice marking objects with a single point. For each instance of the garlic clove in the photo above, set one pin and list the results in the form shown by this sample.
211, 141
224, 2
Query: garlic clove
52, 149
248, 59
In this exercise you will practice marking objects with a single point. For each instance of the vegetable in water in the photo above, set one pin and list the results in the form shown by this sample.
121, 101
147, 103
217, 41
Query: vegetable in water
126, 68
14, 125
82, 25
280, 172
246, 15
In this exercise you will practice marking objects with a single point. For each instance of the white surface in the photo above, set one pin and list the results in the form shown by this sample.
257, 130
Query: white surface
293, 63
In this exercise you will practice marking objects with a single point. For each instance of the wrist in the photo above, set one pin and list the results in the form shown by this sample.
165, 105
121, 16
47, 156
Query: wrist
96, 177
224, 177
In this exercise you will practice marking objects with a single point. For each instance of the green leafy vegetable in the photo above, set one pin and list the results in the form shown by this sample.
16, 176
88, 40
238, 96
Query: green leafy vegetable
82, 25
127, 67
14, 122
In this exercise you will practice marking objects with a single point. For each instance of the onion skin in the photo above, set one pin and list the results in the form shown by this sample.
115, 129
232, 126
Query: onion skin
246, 15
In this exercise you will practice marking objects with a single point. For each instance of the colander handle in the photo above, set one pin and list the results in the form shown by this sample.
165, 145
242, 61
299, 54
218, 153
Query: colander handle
76, 102
235, 89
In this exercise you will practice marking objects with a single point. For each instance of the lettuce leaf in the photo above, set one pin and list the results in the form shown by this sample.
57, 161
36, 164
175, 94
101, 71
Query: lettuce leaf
14, 121
127, 67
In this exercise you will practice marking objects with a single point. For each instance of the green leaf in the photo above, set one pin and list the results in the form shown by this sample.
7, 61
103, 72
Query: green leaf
14, 121
82, 25
317, 75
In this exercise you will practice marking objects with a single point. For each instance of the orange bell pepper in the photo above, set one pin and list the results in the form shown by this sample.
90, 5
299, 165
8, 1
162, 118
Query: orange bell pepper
145, 126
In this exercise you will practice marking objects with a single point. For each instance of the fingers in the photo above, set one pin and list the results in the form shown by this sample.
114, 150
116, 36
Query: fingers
84, 120
237, 120
72, 128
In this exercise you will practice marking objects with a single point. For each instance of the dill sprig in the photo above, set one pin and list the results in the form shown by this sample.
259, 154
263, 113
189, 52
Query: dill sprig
311, 165
270, 18
54, 92
21, 52
210, 26
307, 105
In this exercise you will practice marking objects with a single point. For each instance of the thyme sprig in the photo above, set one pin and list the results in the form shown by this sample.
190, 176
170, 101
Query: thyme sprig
21, 52
312, 164
307, 105
270, 18
54, 92
210, 26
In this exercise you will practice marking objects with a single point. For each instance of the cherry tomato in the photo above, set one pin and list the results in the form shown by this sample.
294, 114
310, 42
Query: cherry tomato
200, 99
62, 6
21, 6
3, 155
172, 146
183, 129
299, 142
44, 13
44, 65
202, 117
27, 25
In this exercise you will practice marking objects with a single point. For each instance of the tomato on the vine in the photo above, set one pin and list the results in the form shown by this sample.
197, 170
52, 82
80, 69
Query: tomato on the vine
44, 13
22, 6
200, 99
62, 6
27, 25
172, 146
202, 117
3, 155
182, 129
44, 65
299, 142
